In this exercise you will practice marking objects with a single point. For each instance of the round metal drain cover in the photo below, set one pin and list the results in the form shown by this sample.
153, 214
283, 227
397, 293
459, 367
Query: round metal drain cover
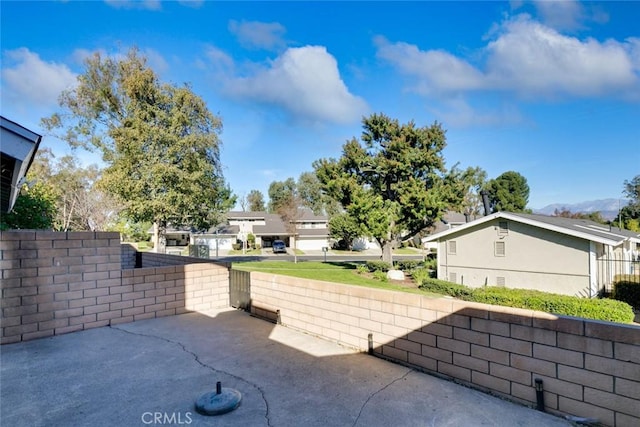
218, 402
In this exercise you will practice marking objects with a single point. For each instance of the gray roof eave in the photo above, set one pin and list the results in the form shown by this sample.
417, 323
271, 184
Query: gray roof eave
607, 238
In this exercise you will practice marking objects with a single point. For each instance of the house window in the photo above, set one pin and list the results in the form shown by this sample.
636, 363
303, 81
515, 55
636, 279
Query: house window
500, 249
501, 281
452, 247
503, 228
453, 277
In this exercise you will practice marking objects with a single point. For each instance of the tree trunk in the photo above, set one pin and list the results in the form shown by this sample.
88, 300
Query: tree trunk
295, 252
160, 235
387, 251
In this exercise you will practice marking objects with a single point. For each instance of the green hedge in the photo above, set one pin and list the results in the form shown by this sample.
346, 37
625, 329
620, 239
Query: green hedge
598, 309
627, 288
378, 266
408, 265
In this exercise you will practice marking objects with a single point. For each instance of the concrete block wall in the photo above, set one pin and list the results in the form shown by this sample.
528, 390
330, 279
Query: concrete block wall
165, 291
128, 256
589, 368
54, 283
152, 259
49, 279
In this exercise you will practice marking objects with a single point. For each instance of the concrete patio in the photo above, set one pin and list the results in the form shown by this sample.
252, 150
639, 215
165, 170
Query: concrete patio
151, 372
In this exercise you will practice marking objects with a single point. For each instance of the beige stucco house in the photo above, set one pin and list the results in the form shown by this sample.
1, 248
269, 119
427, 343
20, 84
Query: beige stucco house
551, 254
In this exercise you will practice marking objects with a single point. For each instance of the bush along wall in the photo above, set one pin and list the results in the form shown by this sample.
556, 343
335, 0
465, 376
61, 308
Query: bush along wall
378, 266
627, 289
597, 309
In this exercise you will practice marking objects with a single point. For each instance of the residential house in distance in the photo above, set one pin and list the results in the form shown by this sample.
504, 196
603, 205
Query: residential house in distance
449, 220
311, 231
551, 254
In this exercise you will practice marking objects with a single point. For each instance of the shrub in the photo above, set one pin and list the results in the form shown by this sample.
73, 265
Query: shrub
627, 288
361, 269
446, 288
431, 263
408, 264
380, 275
420, 275
236, 246
598, 309
373, 266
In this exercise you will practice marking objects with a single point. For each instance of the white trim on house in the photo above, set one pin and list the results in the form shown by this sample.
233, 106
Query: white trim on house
621, 235
584, 276
593, 270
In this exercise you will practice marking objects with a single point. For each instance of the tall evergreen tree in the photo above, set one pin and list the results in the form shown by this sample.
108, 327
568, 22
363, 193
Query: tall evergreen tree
509, 192
159, 141
392, 182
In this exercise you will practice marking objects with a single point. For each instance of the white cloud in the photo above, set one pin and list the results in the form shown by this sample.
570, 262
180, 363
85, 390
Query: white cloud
458, 112
135, 4
303, 81
28, 79
533, 59
436, 70
219, 59
260, 35
561, 15
528, 58
568, 15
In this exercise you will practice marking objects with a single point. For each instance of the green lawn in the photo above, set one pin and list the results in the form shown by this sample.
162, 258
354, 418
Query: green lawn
407, 251
246, 252
337, 272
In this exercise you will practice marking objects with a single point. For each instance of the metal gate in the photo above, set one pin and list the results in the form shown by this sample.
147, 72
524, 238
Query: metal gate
240, 289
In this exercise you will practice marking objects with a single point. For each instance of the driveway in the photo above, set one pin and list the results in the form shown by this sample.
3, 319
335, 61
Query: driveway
151, 373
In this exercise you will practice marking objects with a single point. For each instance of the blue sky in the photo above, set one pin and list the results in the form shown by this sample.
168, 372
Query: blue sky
548, 89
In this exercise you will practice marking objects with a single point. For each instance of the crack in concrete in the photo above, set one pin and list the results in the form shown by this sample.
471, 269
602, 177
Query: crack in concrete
377, 392
204, 365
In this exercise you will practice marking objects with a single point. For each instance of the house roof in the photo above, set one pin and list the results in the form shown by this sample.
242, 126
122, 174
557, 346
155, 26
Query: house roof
273, 226
581, 228
449, 220
246, 215
19, 147
308, 216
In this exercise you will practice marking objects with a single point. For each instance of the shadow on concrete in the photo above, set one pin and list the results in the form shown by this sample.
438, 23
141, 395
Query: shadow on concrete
151, 372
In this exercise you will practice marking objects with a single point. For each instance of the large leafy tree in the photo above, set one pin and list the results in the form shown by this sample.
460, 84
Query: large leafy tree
310, 192
312, 197
509, 192
255, 200
34, 209
469, 183
344, 229
281, 193
392, 181
80, 205
159, 141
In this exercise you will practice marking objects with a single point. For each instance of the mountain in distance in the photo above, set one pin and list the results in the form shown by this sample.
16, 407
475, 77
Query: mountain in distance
608, 208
